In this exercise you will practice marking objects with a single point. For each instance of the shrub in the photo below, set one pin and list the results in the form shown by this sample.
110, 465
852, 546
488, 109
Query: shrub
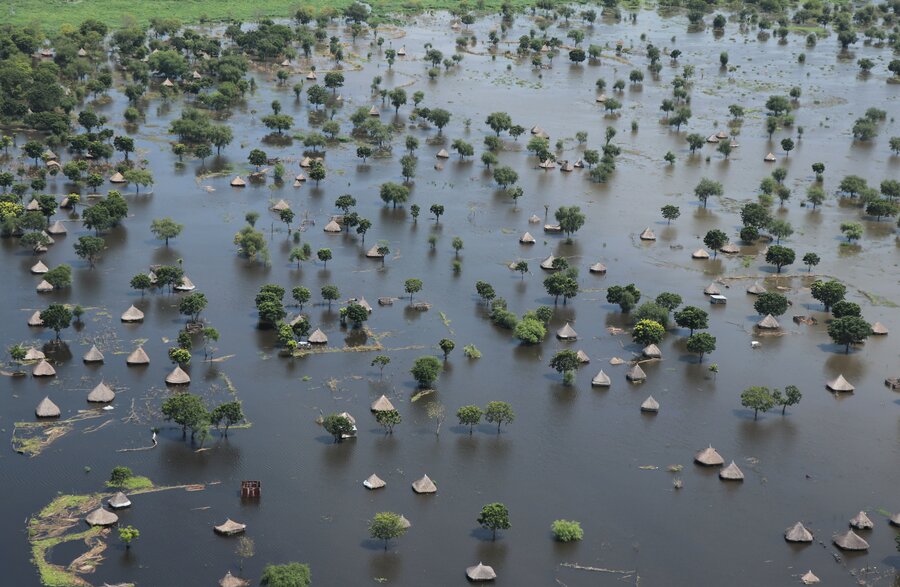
567, 530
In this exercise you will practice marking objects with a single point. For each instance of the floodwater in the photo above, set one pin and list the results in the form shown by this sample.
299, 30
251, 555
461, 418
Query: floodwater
574, 453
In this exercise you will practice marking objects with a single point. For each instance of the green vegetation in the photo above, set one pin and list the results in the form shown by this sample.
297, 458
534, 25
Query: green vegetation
567, 530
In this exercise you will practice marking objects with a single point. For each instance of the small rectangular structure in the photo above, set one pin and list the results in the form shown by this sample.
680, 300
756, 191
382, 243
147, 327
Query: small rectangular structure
250, 489
717, 299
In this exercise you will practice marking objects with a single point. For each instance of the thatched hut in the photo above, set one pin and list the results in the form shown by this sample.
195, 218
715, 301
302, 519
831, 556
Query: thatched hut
32, 206
424, 485
547, 164
756, 289
229, 528
168, 83
768, 323
527, 239
382, 404
44, 286
809, 578
101, 517
238, 182
552, 228
534, 219
731, 473
648, 235
196, 75
306, 162
43, 369
861, 521
582, 357
35, 319
404, 523
597, 268
721, 135
311, 75
712, 290
185, 284
566, 333
178, 377
481, 572
601, 379
601, 99
850, 540
709, 457
798, 533
47, 409
770, 158
138, 357
636, 374
700, 254
39, 268
333, 227
402, 51
117, 178
93, 355
840, 384
280, 206
101, 394
374, 253
132, 314
300, 178
230, 580
536, 130
894, 520
119, 501
33, 354
57, 228
547, 264
318, 337
713, 139
650, 405
879, 329
374, 482
730, 249
361, 301
373, 111
443, 154
651, 351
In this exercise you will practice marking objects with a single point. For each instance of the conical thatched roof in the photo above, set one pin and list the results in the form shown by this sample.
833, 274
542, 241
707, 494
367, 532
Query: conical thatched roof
879, 329
526, 239
119, 501
39, 268
311, 75
770, 158
401, 51
47, 409
101, 517
850, 540
138, 357
281, 205
424, 485
535, 130
840, 384
306, 162
43, 369
861, 521
712, 290
373, 253
185, 284
93, 355
548, 263
566, 333
132, 314
443, 154
648, 235
756, 289
534, 219
567, 167
712, 139
318, 337
102, 394
230, 580
238, 182
286, 62
196, 75
601, 98
32, 206
597, 268
651, 351
117, 178
333, 227
650, 405
361, 301
583, 357
44, 286
300, 177
33, 354
35, 319
547, 164
168, 83
809, 578
709, 457
57, 228
382, 404
552, 228
404, 523
481, 572
601, 379
636, 374
730, 249
700, 254
374, 481
798, 533
178, 377
731, 473
373, 111
894, 520
229, 528
768, 323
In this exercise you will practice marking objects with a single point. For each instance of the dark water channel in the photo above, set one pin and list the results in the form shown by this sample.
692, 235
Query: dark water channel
573, 453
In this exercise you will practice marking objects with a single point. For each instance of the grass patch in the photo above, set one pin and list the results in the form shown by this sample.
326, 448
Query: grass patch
133, 483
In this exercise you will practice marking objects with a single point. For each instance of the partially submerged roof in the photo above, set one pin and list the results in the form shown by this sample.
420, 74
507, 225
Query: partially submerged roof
756, 289
566, 333
117, 178
333, 227
730, 248
229, 527
119, 500
712, 289
44, 286
548, 263
39, 268
317, 337
879, 329
374, 482
481, 572
373, 253
35, 319
648, 235
582, 357
861, 521
601, 379
47, 409
850, 540
32, 354
238, 182
185, 284
651, 351
138, 357
132, 314
597, 268
840, 384
43, 369
700, 254
636, 374
57, 228
101, 517
770, 158
650, 405
178, 377
424, 485
768, 323
101, 394
382, 404
281, 205
709, 457
798, 533
230, 580
526, 239
443, 154
731, 473
809, 578
93, 355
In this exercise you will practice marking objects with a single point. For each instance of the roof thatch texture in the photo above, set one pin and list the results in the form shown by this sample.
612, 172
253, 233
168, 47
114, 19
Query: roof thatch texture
721, 135
648, 235
731, 473
840, 384
709, 457
101, 517
809, 578
712, 290
424, 485
185, 284
44, 286
547, 164
57, 228
229, 528
365, 305
33, 354
481, 572
879, 329
132, 314
566, 333
404, 523
333, 227
138, 357
861, 521
93, 355
712, 139
382, 404
102, 394
700, 254
373, 253
768, 323
374, 482
281, 205
650, 405
401, 51
730, 248
894, 520
373, 111
238, 182
117, 178
636, 374
552, 228
168, 83
651, 351
35, 319
443, 154
306, 162
583, 357
526, 239
597, 268
47, 409
850, 540
119, 500
311, 75
43, 369
769, 158
534, 219
798, 533
756, 289
178, 377
548, 263
300, 178
601, 379
230, 580
32, 206
318, 337
39, 268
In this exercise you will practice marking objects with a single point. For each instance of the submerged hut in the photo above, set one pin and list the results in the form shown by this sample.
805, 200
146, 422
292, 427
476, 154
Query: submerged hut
39, 268
185, 284
547, 263
382, 404
651, 351
57, 228
566, 333
402, 51
798, 533
317, 337
281, 205
552, 228
229, 528
648, 235
443, 154
809, 578
650, 405
756, 289
101, 517
770, 158
374, 482
850, 540
840, 384
709, 457
547, 164
731, 473
582, 357
102, 394
168, 83
601, 379
424, 485
178, 377
700, 254
333, 227
43, 369
894, 520
119, 501
138, 357
238, 182
132, 314
306, 162
526, 239
712, 139
636, 374
481, 572
373, 111
230, 580
117, 178
47, 409
93, 355
35, 319
404, 523
730, 249
768, 323
712, 290
597, 268
879, 329
33, 354
44, 286
311, 75
861, 521
534, 219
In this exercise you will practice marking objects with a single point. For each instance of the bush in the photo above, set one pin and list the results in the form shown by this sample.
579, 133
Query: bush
120, 475
651, 311
567, 530
289, 575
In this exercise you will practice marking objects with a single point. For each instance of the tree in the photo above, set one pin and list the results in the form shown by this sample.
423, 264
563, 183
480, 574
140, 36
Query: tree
186, 410
301, 295
412, 286
777, 105
388, 419
257, 157
779, 256
288, 575
570, 219
393, 193
530, 330
439, 117
758, 399
381, 361
317, 172
338, 426
89, 248
770, 303
245, 549
324, 256
426, 370
330, 293
627, 297
469, 416
715, 239
493, 517
670, 213
447, 346
499, 413
852, 185
128, 534
386, 526
880, 208
364, 152
521, 267
648, 332
230, 413
846, 331
707, 188
192, 304
828, 292
59, 277
317, 95
498, 121
567, 530
701, 343
563, 284
124, 145
668, 300
810, 260
846, 308
852, 230
165, 228
791, 397
119, 476
695, 141
565, 362
692, 318
251, 243
356, 314
278, 122
142, 282
398, 98
505, 176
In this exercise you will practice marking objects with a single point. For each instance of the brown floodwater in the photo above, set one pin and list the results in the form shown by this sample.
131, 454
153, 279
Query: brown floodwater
572, 452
